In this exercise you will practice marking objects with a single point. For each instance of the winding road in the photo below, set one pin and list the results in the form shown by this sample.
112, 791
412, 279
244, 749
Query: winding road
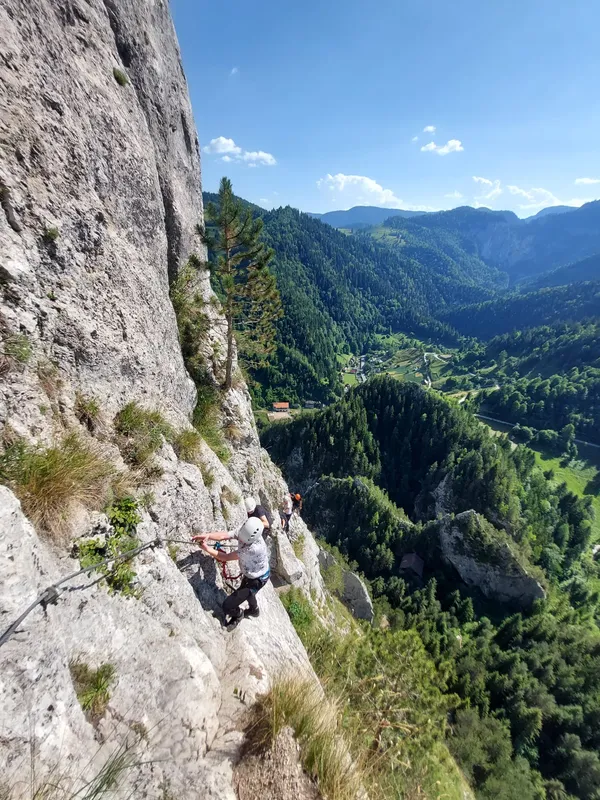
505, 422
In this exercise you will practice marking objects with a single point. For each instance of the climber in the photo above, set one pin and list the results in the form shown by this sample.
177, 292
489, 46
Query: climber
254, 565
253, 509
297, 503
287, 508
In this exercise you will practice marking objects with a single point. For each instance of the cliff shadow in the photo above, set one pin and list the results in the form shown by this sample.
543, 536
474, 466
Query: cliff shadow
201, 572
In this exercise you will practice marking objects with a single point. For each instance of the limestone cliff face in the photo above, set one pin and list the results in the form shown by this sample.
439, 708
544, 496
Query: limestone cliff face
483, 557
100, 194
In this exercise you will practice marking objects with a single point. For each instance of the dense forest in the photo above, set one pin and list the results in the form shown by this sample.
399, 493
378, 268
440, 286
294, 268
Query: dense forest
586, 270
549, 377
512, 312
529, 681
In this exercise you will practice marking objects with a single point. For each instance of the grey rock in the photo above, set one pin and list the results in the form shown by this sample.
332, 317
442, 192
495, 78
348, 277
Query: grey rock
116, 170
355, 595
484, 558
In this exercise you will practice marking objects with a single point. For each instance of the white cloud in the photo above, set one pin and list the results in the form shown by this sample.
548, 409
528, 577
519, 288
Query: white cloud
493, 189
230, 151
234, 71
455, 195
221, 145
358, 189
536, 198
429, 129
257, 157
264, 202
587, 181
452, 146
415, 139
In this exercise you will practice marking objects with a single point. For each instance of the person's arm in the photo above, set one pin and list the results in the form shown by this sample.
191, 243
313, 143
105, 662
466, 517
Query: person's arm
215, 536
265, 522
219, 555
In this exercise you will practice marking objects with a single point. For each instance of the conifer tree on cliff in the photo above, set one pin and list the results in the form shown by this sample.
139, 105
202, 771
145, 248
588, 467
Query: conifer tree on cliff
240, 268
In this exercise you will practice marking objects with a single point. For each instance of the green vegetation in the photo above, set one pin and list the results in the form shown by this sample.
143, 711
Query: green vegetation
186, 444
92, 688
393, 710
141, 434
18, 348
298, 546
120, 77
51, 235
549, 377
51, 482
120, 577
378, 461
574, 303
87, 411
240, 271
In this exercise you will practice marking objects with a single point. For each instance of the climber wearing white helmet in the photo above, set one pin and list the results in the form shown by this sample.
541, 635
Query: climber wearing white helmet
254, 565
253, 509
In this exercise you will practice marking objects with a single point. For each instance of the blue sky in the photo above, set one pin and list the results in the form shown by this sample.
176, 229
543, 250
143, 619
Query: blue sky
324, 104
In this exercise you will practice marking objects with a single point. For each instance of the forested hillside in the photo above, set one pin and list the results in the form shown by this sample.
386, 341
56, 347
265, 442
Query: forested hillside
549, 378
529, 681
513, 312
522, 247
586, 270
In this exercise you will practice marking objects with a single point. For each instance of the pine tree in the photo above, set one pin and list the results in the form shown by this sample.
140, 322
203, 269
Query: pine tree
240, 268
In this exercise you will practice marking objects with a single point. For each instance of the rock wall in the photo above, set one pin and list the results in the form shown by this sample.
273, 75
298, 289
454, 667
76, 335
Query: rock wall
100, 193
485, 560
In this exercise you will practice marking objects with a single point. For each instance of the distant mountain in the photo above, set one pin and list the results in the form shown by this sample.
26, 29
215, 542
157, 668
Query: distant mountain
362, 216
522, 248
586, 270
546, 212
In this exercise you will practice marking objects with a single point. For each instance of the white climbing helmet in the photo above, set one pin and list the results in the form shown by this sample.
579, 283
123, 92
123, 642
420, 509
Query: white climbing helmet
250, 504
251, 531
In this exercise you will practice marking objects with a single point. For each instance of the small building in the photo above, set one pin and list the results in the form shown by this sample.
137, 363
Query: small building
411, 562
281, 406
312, 404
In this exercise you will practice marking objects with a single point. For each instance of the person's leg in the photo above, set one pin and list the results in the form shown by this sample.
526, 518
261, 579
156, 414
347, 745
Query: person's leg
253, 604
232, 604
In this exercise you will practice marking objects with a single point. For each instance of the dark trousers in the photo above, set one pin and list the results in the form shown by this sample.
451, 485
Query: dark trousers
247, 591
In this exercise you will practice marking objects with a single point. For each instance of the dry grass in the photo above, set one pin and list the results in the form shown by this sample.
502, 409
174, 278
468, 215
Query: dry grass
314, 718
51, 482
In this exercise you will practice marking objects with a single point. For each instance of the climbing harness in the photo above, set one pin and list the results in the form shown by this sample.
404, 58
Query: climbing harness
232, 576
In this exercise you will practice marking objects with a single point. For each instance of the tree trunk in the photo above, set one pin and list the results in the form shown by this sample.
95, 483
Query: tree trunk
229, 364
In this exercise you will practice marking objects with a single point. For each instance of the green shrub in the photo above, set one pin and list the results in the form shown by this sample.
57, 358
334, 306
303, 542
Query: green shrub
186, 444
120, 77
206, 419
50, 482
18, 348
92, 688
120, 577
141, 433
299, 609
87, 411
51, 234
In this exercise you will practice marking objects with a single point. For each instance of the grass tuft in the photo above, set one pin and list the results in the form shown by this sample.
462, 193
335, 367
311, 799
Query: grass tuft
51, 235
186, 445
17, 347
141, 433
92, 688
314, 718
120, 77
51, 482
87, 411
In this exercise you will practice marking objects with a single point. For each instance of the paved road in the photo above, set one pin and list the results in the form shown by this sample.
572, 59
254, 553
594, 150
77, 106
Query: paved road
505, 422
